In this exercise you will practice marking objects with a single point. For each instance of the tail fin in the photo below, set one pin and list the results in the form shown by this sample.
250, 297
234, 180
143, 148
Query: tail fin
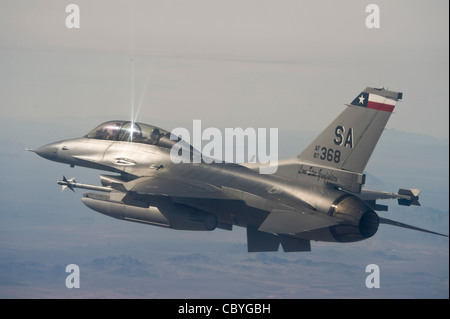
348, 142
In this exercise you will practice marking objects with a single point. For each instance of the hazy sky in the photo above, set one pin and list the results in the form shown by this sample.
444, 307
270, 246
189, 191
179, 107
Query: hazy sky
285, 64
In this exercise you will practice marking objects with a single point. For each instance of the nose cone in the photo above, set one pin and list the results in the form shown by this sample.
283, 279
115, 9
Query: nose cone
48, 151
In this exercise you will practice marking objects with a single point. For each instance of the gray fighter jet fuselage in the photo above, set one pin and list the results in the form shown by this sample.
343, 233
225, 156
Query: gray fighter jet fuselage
317, 196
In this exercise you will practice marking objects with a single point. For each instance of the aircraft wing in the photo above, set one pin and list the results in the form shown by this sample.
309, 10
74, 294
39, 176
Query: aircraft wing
283, 221
163, 186
172, 186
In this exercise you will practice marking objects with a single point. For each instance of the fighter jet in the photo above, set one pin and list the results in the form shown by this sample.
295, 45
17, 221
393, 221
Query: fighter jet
317, 196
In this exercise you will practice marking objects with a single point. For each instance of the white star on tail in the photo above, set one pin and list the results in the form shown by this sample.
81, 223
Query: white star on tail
361, 99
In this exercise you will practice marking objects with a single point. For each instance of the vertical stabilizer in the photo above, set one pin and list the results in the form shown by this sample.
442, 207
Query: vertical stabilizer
348, 142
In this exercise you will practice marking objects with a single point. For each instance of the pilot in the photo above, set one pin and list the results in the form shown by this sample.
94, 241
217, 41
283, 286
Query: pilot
99, 134
155, 136
115, 131
137, 137
105, 134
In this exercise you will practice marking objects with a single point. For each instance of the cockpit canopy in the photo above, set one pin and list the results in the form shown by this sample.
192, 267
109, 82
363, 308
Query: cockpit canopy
127, 131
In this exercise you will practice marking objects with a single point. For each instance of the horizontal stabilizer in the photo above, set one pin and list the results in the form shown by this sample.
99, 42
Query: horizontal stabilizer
398, 224
294, 222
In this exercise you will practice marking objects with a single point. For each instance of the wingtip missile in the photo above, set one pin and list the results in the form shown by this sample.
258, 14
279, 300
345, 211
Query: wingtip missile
410, 197
71, 183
